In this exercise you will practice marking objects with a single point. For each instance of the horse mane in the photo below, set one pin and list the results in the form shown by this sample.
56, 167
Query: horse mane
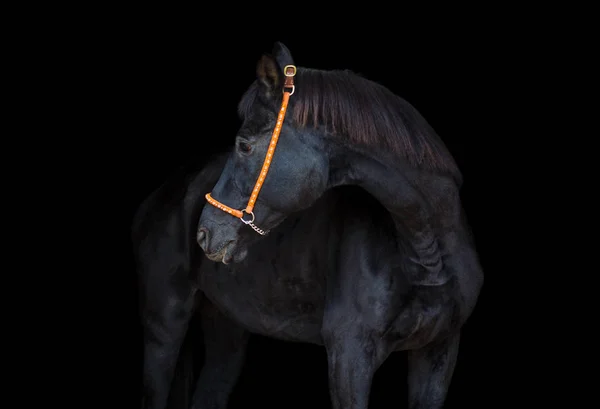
346, 105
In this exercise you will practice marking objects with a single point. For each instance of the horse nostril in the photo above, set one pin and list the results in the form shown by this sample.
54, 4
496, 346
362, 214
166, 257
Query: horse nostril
202, 238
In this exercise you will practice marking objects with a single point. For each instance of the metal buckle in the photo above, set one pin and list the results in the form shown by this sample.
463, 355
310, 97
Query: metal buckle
285, 69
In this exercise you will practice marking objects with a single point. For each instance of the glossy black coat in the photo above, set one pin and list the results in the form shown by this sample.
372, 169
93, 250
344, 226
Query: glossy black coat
369, 250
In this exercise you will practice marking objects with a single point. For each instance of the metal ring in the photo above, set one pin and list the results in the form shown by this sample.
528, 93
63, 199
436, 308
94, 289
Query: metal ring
251, 214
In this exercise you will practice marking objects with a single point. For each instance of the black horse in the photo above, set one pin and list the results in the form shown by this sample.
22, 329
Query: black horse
369, 250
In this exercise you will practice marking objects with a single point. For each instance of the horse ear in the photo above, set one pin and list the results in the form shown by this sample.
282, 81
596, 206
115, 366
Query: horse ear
282, 55
269, 70
268, 73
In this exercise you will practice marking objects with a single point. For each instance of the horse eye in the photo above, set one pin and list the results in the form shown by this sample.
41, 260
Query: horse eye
244, 147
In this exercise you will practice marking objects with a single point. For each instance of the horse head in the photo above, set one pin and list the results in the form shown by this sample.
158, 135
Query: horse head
275, 168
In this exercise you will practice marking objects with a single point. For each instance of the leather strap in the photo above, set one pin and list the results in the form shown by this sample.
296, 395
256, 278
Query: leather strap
288, 89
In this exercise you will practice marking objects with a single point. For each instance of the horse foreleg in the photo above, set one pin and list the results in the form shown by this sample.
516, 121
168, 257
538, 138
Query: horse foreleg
430, 371
225, 346
165, 324
353, 356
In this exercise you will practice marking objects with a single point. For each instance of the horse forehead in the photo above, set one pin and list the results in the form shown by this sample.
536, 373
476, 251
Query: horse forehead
256, 125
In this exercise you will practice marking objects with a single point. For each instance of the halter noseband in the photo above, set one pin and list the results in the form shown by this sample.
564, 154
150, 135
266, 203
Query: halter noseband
288, 89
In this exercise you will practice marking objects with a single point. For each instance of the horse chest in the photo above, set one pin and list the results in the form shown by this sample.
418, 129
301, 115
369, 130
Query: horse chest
283, 304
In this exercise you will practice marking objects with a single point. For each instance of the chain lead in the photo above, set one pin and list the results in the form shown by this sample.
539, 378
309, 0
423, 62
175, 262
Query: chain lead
258, 229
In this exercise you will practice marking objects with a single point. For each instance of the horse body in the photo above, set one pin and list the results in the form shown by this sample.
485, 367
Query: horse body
368, 254
280, 291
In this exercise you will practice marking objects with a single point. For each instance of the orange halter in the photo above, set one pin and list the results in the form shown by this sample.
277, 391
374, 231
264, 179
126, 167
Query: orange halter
289, 72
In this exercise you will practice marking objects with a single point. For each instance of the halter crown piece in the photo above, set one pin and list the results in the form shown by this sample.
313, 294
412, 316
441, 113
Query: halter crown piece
288, 89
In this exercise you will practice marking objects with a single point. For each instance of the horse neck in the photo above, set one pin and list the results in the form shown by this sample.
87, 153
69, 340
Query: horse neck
394, 185
409, 196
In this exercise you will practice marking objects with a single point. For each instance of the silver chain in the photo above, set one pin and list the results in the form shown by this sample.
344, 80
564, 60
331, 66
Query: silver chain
258, 229
251, 224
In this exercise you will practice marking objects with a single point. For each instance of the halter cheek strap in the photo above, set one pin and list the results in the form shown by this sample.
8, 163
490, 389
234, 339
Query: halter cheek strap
288, 89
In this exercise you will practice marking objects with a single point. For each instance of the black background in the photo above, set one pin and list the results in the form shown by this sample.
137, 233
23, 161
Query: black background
168, 84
